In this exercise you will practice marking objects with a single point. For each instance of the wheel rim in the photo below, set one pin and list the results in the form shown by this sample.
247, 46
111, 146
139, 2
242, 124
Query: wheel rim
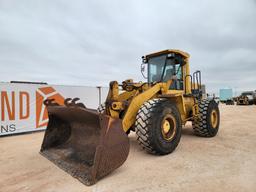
214, 118
168, 127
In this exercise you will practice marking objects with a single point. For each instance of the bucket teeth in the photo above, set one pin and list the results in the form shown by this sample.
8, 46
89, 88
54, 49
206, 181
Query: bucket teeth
67, 102
50, 102
72, 102
75, 100
77, 104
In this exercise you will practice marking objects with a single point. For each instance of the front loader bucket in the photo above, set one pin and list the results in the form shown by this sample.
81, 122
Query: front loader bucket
84, 143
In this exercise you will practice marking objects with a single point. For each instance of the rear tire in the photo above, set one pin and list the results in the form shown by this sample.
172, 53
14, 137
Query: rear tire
158, 126
207, 123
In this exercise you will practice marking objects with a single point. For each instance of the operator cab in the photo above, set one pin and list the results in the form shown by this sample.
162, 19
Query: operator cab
164, 66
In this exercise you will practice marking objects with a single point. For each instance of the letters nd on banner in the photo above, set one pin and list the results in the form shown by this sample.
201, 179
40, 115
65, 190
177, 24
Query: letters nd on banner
22, 108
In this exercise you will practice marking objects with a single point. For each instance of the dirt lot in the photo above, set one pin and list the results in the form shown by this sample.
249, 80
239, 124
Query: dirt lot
226, 162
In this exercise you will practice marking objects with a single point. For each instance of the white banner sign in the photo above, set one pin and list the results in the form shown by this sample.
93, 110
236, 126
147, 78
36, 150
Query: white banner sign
22, 108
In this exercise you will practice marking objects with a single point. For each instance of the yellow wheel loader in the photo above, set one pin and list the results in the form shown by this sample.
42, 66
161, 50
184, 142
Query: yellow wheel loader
89, 144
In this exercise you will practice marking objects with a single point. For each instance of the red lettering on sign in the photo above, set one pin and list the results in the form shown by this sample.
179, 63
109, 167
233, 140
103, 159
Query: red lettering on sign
6, 104
24, 114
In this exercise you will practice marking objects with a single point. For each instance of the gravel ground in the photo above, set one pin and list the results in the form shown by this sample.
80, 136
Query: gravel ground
226, 162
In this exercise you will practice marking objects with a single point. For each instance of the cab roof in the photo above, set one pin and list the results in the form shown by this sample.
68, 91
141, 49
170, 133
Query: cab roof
167, 51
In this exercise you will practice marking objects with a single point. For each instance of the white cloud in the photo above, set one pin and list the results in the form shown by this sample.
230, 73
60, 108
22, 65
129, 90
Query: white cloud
94, 42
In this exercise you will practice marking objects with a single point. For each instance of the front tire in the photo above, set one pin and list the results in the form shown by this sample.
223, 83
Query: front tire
158, 126
208, 120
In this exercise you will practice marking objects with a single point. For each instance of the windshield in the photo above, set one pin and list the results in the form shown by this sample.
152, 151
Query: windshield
160, 69
155, 68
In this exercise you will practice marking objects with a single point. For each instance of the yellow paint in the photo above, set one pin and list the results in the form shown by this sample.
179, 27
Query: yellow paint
136, 103
214, 118
131, 101
169, 127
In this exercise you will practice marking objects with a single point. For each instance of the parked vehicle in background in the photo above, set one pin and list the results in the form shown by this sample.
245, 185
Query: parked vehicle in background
247, 98
226, 96
230, 101
254, 97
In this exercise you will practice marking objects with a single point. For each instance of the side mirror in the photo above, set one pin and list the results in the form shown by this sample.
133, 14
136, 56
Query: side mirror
143, 69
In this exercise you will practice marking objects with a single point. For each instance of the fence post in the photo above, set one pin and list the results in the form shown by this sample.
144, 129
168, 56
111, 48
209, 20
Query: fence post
99, 89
